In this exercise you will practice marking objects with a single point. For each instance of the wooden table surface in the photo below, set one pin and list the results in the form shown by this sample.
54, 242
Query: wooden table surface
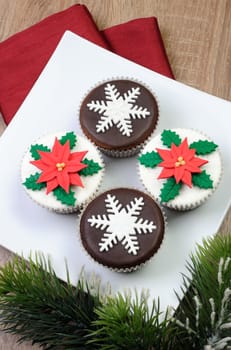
197, 38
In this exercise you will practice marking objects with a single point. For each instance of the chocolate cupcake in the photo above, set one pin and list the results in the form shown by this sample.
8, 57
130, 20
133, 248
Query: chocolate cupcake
62, 171
180, 168
122, 229
119, 116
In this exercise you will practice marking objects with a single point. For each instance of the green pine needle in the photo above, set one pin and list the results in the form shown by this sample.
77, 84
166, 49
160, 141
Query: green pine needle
128, 323
41, 308
206, 306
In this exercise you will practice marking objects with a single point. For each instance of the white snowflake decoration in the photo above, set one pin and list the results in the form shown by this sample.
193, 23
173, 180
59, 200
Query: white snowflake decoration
121, 224
118, 110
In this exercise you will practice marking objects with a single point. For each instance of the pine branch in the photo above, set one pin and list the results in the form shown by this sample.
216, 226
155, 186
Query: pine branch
41, 308
128, 323
205, 311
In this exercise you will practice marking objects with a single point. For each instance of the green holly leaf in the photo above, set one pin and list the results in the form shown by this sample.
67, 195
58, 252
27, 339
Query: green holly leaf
202, 180
203, 146
150, 159
69, 136
64, 197
168, 137
169, 190
31, 183
35, 148
92, 167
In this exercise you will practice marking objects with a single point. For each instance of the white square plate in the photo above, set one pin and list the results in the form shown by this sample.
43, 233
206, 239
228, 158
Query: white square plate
52, 105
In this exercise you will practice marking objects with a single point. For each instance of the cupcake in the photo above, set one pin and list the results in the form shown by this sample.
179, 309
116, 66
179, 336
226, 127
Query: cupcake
122, 229
180, 168
62, 171
119, 116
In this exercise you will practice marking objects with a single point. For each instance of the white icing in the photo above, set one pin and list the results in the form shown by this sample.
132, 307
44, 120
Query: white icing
82, 194
188, 197
118, 110
121, 224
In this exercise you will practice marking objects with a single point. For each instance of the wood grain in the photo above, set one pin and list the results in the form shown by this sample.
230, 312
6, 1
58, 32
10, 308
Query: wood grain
196, 34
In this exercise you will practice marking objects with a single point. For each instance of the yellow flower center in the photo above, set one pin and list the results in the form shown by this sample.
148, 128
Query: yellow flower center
60, 166
180, 161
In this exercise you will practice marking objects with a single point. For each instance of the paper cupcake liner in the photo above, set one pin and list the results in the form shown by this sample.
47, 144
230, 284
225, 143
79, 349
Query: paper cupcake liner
126, 151
123, 153
67, 209
124, 269
196, 202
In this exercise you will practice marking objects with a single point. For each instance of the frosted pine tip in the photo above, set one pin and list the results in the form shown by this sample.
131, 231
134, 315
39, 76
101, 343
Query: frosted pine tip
60, 166
180, 161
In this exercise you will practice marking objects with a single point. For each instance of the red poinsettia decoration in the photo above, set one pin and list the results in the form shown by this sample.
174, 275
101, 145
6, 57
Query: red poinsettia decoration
180, 162
60, 167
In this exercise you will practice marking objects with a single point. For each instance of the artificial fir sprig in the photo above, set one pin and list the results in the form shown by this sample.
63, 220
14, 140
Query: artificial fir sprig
38, 306
126, 322
205, 311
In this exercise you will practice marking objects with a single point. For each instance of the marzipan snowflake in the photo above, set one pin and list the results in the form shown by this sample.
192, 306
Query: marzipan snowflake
121, 224
118, 110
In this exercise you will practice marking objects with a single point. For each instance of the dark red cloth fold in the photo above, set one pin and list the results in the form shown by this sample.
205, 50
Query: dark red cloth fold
24, 55
140, 41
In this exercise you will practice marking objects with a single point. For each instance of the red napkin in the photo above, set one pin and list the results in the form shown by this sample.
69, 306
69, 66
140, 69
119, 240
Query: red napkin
140, 41
24, 55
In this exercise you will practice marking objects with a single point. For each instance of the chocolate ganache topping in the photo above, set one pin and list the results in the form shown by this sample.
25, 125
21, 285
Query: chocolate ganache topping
122, 228
119, 114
